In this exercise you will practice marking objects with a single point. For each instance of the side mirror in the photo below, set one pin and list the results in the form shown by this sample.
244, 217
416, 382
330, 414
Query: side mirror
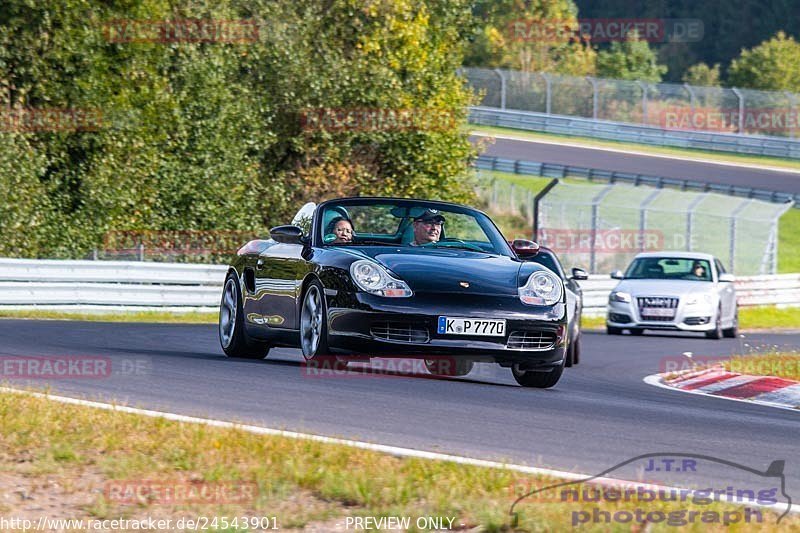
727, 278
287, 234
579, 274
617, 274
524, 248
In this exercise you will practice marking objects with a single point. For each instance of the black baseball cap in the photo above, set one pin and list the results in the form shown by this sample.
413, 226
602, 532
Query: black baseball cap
430, 215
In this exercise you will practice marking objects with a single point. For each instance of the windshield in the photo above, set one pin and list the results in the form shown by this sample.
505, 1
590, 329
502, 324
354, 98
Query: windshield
669, 268
408, 224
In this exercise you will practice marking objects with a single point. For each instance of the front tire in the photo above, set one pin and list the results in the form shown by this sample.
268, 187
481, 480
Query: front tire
732, 331
716, 333
538, 380
611, 330
314, 330
233, 338
576, 351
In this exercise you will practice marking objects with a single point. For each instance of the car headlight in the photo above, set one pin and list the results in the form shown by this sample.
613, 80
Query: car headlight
699, 298
619, 296
542, 288
374, 279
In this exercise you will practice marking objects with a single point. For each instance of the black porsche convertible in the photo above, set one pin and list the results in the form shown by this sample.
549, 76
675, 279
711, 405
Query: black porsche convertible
390, 277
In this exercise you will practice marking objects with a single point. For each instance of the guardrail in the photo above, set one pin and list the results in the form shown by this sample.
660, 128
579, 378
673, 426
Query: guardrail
555, 170
781, 290
133, 286
109, 285
636, 133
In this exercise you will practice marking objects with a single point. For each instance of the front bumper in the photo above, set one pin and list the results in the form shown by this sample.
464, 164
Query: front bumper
371, 325
697, 317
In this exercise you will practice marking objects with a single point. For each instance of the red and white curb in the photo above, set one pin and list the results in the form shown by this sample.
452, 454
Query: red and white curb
718, 382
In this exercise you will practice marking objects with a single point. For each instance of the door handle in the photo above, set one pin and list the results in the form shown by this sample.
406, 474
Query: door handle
259, 264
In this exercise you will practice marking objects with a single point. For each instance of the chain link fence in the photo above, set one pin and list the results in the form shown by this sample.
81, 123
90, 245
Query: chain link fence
601, 227
664, 105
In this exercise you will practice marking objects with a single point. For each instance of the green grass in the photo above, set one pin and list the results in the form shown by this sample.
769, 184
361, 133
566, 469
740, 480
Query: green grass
683, 152
769, 317
789, 242
759, 318
300, 482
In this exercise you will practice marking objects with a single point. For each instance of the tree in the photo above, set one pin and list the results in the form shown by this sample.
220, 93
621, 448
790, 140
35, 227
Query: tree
532, 36
773, 65
208, 135
702, 75
631, 59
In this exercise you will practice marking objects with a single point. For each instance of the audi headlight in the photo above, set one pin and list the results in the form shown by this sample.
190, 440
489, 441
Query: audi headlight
374, 279
618, 296
542, 288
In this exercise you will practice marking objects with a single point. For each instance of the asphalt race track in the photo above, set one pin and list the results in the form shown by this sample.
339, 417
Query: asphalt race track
600, 413
773, 180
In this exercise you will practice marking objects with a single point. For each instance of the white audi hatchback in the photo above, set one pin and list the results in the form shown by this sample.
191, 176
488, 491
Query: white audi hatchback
682, 291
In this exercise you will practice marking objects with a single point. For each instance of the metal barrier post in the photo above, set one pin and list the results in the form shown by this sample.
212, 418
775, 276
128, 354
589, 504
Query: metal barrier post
643, 87
549, 93
593, 82
690, 219
502, 88
734, 216
793, 99
593, 231
738, 94
692, 98
643, 216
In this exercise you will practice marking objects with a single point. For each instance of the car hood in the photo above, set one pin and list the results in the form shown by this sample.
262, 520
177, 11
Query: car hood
443, 270
663, 287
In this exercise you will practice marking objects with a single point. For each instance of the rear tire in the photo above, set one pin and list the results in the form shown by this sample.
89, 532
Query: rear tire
732, 331
232, 336
453, 367
576, 351
538, 380
569, 358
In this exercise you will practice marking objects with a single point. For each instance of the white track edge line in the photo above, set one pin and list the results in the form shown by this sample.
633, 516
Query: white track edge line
655, 380
384, 448
479, 133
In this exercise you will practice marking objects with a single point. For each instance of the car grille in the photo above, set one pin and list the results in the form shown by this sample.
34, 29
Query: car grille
657, 302
531, 340
400, 332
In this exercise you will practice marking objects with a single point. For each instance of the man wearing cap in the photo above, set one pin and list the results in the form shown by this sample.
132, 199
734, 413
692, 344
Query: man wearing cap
427, 227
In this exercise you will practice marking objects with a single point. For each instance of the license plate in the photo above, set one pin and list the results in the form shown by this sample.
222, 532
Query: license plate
658, 311
450, 325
